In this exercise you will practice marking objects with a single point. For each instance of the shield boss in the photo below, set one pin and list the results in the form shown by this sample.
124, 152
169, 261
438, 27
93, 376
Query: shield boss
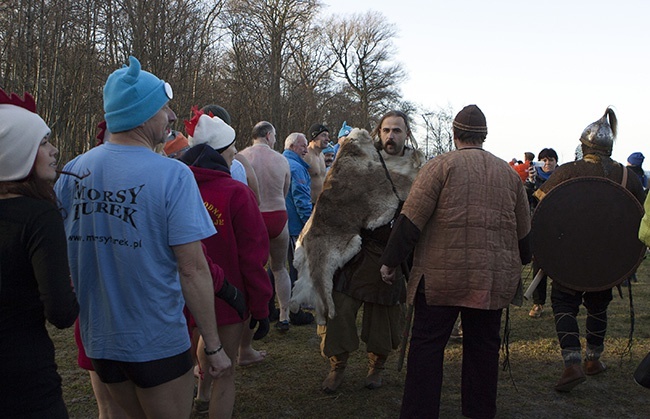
585, 234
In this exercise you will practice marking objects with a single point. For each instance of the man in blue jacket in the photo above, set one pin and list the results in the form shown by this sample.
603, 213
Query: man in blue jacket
299, 204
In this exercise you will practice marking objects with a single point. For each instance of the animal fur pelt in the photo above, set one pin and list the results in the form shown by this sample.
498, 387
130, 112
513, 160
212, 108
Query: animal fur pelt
357, 195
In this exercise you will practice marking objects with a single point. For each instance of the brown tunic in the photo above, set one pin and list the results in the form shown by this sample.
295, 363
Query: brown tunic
472, 210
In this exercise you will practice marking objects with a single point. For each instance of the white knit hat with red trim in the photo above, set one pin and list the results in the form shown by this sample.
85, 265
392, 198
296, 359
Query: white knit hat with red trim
21, 133
214, 132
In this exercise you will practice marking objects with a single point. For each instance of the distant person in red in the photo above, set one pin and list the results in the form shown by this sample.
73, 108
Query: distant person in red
537, 175
522, 168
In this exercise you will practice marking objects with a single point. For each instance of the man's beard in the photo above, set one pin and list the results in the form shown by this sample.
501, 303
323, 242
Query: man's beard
390, 143
393, 144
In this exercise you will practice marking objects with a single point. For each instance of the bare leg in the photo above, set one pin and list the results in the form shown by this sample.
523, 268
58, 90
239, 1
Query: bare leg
221, 391
106, 405
204, 388
278, 258
248, 355
170, 400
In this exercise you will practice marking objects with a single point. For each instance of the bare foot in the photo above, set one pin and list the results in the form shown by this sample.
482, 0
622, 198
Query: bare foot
250, 357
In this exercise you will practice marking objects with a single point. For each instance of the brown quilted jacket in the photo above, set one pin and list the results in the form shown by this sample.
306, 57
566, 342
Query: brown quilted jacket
472, 209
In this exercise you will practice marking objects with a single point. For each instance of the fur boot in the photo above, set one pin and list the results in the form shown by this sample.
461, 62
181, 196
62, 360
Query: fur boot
376, 364
337, 370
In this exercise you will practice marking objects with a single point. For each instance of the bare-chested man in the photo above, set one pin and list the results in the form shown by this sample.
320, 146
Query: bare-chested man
274, 178
319, 140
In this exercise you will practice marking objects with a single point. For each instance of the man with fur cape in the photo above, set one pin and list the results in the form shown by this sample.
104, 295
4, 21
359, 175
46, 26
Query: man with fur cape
337, 253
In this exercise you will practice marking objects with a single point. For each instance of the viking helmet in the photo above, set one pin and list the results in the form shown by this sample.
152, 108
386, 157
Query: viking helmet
600, 135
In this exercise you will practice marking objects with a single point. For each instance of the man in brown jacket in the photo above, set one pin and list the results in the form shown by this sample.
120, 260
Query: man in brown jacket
468, 214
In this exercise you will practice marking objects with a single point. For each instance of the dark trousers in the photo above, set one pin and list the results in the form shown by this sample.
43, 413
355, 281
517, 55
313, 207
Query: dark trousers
432, 326
293, 272
565, 309
539, 294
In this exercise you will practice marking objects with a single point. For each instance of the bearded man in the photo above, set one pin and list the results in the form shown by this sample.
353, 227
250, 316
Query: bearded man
358, 282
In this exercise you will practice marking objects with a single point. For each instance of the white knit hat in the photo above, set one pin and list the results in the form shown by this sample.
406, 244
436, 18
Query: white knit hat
21, 132
212, 131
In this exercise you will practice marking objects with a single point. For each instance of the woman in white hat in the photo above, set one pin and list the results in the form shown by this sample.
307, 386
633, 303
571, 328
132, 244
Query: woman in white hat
240, 248
34, 276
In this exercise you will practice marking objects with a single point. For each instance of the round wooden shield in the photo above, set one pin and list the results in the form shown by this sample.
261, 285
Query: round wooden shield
585, 234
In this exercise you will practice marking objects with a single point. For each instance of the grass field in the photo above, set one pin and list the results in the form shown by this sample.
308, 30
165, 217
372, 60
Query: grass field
287, 383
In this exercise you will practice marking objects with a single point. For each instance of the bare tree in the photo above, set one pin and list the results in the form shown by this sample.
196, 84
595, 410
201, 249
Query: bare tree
261, 59
61, 51
439, 133
260, 34
308, 80
176, 40
362, 45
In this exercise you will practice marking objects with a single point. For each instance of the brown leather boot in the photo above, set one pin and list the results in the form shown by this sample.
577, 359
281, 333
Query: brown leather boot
594, 366
337, 369
571, 377
376, 364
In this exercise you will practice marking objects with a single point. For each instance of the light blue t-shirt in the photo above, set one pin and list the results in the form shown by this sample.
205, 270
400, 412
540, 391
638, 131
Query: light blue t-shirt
238, 172
121, 221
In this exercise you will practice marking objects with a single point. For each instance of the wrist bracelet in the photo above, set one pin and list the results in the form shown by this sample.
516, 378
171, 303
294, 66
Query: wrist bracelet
216, 351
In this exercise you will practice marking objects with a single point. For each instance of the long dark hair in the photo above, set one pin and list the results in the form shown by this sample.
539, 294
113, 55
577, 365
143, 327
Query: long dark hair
31, 186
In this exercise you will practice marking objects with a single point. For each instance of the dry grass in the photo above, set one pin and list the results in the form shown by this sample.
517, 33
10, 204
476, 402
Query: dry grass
287, 383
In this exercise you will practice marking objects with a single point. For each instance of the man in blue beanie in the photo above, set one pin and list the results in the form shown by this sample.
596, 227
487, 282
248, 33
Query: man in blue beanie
134, 222
635, 163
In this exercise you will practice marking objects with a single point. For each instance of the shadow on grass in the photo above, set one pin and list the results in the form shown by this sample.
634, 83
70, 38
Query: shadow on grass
287, 383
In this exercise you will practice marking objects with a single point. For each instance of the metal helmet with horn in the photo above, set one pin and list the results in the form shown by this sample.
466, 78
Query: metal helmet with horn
600, 135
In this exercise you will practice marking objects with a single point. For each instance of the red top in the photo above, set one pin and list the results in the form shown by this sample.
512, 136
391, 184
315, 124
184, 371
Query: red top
241, 245
521, 169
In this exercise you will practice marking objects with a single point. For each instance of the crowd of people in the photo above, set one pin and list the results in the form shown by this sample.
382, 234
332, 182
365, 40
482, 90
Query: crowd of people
157, 244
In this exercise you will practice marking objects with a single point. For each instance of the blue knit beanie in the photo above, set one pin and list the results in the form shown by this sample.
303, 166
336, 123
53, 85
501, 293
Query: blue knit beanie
345, 130
636, 159
132, 96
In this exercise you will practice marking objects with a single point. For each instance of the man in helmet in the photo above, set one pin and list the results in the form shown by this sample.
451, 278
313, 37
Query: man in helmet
597, 142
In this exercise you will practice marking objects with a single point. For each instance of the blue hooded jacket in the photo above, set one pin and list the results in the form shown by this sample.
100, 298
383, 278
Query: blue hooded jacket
299, 197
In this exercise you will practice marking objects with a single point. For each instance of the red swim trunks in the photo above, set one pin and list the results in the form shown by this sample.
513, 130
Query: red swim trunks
275, 221
82, 359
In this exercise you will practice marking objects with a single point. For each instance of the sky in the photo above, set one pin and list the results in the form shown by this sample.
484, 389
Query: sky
540, 71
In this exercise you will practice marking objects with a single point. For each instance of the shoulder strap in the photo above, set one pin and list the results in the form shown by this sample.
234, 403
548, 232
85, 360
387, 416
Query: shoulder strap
383, 163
